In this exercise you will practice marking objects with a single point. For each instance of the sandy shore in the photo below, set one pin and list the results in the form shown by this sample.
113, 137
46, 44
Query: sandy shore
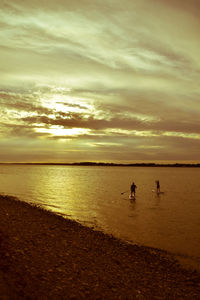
44, 256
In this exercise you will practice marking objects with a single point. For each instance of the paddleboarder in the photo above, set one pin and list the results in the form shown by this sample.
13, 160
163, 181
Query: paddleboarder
157, 186
133, 187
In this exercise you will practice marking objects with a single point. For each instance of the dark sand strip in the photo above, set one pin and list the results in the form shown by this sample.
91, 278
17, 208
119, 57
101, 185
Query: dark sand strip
44, 256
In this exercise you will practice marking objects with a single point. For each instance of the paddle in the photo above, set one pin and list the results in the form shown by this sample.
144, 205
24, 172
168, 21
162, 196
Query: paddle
124, 192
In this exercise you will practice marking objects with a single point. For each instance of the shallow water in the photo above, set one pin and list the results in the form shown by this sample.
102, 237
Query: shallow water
92, 195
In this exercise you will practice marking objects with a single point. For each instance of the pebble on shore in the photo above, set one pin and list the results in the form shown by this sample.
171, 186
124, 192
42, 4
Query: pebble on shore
45, 256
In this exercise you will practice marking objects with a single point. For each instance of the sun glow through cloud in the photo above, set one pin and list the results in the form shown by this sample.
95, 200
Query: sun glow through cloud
62, 132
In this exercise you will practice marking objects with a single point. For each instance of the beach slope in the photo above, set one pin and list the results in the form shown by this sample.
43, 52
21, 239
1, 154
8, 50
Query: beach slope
44, 256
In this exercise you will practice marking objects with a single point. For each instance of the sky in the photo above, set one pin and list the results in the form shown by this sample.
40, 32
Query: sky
100, 80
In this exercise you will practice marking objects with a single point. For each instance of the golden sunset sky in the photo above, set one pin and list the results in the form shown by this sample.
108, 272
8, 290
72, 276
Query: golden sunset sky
99, 80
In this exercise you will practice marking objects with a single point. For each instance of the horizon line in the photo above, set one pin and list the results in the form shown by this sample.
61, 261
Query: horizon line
88, 163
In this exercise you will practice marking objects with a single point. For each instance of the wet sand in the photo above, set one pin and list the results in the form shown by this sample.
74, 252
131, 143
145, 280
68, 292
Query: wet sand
44, 256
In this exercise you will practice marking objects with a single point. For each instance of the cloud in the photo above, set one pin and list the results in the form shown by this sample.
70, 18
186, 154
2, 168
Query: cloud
22, 102
123, 74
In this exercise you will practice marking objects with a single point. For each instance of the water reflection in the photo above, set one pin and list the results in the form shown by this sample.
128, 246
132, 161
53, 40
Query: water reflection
93, 196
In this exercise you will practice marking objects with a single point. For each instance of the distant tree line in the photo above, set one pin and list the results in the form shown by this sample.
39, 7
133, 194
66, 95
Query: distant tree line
197, 165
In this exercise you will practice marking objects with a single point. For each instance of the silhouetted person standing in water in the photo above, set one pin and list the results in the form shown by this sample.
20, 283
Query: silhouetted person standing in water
133, 187
157, 186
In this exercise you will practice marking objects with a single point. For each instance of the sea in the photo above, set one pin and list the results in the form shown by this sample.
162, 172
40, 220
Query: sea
98, 196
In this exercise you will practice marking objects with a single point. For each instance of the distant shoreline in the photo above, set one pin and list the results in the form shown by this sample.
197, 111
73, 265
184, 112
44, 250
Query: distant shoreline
99, 164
